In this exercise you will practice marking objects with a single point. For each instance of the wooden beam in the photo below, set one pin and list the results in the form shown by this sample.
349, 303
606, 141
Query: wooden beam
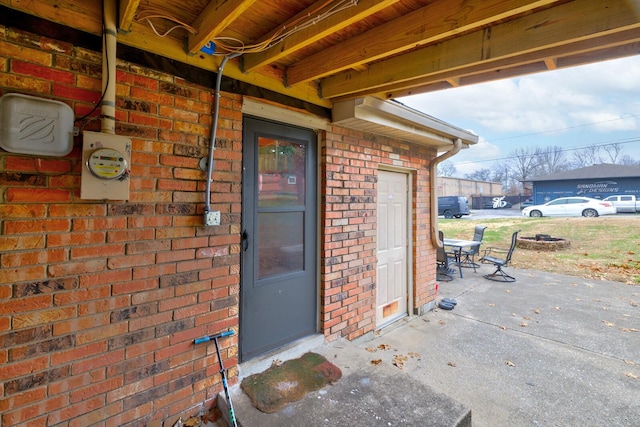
551, 63
143, 38
128, 9
319, 30
610, 46
213, 20
568, 23
82, 15
437, 21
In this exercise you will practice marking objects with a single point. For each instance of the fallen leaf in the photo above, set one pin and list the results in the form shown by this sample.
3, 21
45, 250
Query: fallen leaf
192, 422
631, 375
509, 363
526, 317
557, 308
414, 355
451, 364
630, 362
399, 359
276, 362
524, 324
504, 328
384, 347
376, 362
371, 349
492, 305
536, 311
607, 323
508, 291
442, 322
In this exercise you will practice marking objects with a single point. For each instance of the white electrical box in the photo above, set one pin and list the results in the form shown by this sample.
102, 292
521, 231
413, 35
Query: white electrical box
106, 166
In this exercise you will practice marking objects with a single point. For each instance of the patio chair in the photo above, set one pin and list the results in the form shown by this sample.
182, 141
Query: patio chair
444, 272
468, 255
492, 256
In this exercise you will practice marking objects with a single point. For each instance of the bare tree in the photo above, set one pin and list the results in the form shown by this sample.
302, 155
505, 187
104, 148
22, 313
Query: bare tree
614, 152
500, 173
587, 156
483, 174
629, 161
524, 164
552, 159
446, 169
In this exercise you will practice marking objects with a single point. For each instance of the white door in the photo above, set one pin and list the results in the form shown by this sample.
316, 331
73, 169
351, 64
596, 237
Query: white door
392, 247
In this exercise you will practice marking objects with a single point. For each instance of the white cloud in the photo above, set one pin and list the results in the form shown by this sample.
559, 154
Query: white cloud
560, 99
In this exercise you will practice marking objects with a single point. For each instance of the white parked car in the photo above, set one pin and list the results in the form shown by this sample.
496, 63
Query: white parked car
571, 206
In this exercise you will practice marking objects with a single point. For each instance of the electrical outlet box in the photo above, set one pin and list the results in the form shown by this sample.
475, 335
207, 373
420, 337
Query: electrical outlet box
106, 163
212, 218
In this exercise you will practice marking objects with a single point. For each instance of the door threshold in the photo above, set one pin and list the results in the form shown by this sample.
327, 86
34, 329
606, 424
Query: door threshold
289, 351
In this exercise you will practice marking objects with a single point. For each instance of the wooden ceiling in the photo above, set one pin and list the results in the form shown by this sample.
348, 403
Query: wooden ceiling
323, 51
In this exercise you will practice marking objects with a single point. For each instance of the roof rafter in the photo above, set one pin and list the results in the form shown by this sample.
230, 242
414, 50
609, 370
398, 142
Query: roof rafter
609, 46
429, 24
213, 20
321, 29
565, 24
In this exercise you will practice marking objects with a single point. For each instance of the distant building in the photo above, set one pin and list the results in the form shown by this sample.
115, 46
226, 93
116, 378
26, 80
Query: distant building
597, 181
467, 187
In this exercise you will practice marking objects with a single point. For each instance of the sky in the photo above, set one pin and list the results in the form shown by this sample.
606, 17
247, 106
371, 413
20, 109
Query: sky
573, 107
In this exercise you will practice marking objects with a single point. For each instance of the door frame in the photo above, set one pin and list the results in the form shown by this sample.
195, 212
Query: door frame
409, 174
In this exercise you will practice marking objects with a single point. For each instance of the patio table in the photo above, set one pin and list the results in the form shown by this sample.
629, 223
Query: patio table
458, 245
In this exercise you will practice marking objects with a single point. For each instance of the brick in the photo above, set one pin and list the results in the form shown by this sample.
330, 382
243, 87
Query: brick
22, 259
80, 267
15, 275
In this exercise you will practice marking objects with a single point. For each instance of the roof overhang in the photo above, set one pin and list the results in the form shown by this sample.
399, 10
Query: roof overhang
395, 120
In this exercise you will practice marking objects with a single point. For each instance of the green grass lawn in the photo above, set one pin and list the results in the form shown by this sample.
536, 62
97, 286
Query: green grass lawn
606, 248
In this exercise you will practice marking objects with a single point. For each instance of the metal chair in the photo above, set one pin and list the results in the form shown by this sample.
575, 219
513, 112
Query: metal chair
468, 255
444, 273
500, 275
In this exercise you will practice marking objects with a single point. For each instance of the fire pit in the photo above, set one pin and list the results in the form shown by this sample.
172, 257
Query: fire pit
543, 242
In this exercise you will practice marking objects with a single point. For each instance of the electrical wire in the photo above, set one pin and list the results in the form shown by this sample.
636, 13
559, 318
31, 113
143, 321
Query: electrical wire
104, 92
235, 45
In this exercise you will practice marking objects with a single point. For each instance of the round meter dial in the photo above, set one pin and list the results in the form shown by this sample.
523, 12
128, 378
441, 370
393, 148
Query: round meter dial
107, 163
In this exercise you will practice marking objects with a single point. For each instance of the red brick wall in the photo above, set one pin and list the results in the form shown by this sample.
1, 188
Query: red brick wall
100, 301
350, 162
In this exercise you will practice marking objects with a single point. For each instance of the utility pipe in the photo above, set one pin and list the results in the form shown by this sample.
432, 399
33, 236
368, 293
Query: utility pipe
214, 131
433, 178
109, 42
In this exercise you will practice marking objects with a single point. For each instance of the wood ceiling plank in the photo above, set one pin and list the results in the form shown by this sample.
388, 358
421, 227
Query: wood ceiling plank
213, 20
143, 38
437, 21
564, 24
84, 16
319, 30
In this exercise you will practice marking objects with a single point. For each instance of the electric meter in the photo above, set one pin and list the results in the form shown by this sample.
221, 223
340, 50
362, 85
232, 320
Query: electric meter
107, 163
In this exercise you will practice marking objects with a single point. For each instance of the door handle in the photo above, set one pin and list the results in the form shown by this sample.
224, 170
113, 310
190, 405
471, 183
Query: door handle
245, 240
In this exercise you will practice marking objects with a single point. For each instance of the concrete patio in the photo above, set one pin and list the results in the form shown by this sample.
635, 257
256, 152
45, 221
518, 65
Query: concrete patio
547, 350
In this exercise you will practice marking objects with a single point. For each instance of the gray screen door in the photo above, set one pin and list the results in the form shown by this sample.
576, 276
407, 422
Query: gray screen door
278, 278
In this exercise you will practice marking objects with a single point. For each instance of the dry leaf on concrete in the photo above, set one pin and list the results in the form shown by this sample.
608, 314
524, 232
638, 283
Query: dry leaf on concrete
509, 363
399, 359
376, 362
384, 347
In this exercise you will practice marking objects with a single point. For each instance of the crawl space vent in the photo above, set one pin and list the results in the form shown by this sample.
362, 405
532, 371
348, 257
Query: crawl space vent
31, 125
